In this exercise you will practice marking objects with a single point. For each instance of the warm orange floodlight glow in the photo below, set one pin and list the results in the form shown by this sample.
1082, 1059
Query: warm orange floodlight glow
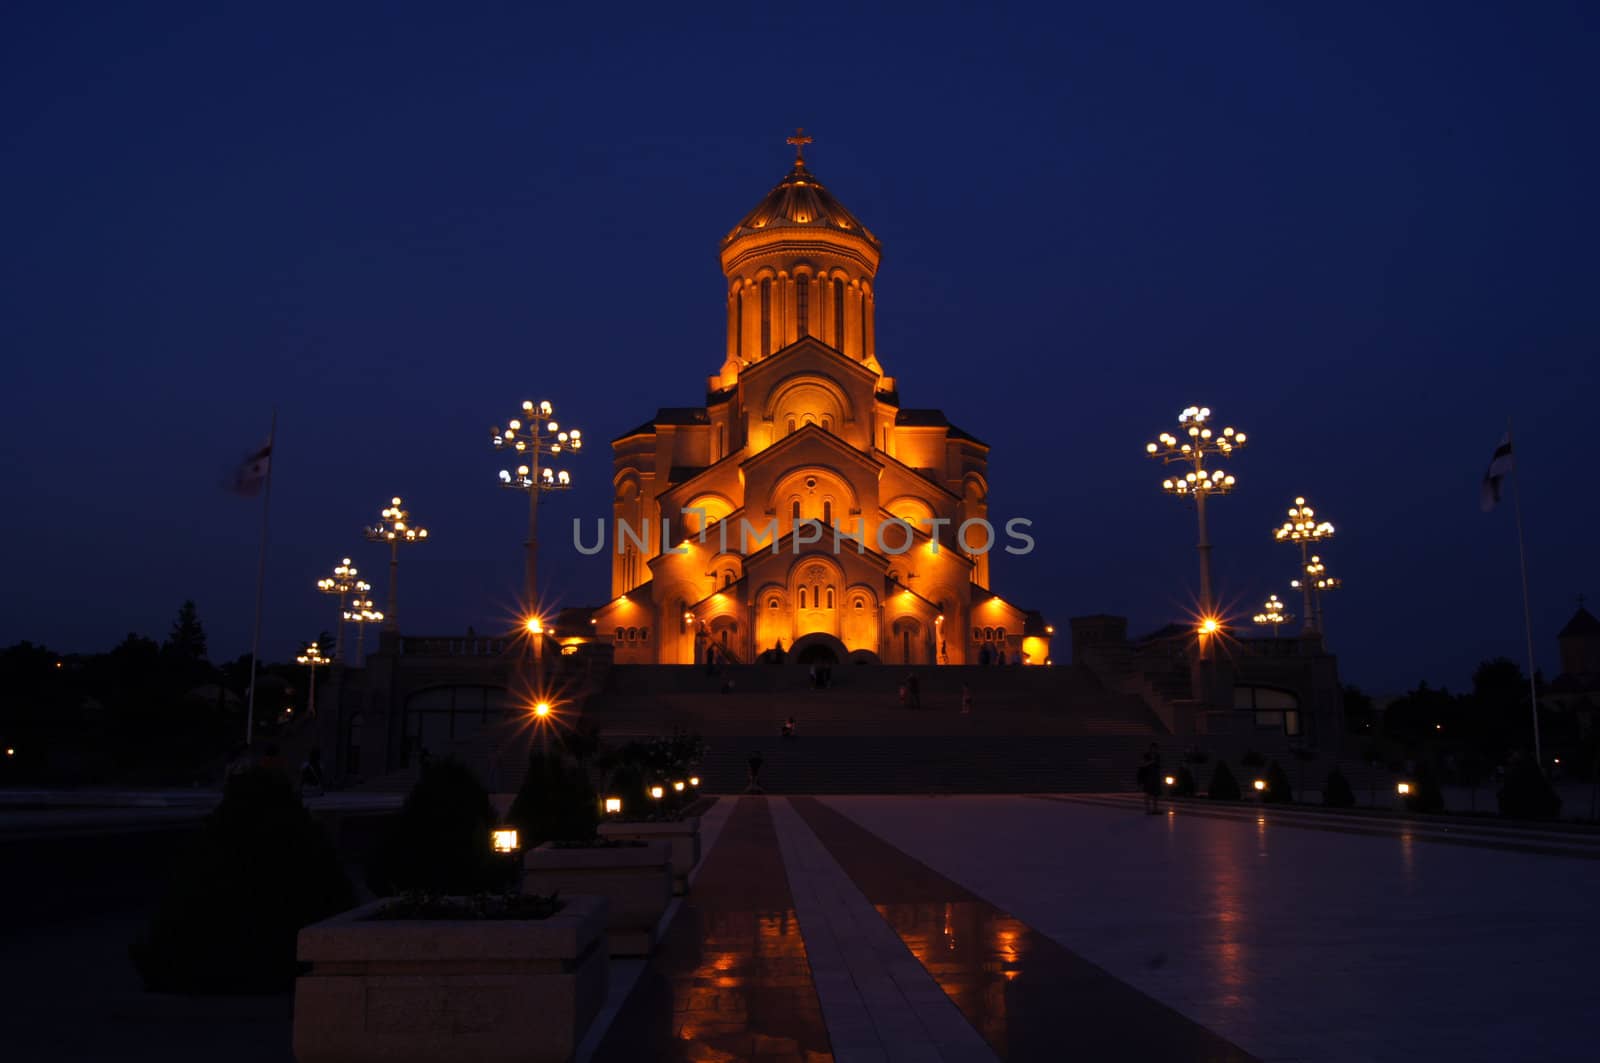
1210, 625
542, 709
504, 839
613, 805
694, 780
534, 626
657, 792
678, 786
1171, 781
1261, 784
1404, 789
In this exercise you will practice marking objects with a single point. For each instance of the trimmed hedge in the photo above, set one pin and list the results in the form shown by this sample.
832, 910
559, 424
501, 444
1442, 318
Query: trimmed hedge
556, 802
261, 869
439, 841
1278, 791
1224, 787
1336, 792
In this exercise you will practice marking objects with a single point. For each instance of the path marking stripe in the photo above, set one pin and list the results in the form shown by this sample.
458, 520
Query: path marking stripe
730, 979
1029, 997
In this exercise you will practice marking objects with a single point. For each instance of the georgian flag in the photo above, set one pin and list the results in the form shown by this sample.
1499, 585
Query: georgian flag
253, 471
1500, 467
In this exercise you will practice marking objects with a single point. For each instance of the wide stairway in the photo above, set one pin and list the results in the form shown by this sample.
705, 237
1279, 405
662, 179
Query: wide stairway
1031, 729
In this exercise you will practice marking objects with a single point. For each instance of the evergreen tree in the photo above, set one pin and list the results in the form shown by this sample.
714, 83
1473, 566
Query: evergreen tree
187, 641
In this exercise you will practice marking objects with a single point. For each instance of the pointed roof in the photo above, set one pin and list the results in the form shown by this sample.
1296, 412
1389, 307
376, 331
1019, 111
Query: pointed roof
801, 202
1582, 623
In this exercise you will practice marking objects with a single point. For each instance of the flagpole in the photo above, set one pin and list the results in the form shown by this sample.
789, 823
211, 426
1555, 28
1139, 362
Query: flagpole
261, 580
1527, 611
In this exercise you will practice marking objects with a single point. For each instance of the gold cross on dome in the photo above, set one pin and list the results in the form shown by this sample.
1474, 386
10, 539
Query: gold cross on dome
799, 140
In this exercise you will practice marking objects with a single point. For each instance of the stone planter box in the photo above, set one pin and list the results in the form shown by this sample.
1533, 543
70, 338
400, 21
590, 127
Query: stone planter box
682, 837
635, 880
430, 989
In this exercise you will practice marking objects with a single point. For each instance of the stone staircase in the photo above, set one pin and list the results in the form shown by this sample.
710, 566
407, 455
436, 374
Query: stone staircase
1031, 729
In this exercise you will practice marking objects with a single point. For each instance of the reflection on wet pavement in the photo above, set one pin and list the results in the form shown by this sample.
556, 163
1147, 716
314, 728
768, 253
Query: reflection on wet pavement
730, 980
1029, 998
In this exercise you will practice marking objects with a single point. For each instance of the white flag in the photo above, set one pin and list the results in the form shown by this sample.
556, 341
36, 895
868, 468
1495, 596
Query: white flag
1499, 468
253, 471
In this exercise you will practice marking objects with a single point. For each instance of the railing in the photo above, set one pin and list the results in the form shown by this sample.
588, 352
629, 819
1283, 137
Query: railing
457, 646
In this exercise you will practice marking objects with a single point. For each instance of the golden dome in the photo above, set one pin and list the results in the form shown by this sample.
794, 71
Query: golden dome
800, 201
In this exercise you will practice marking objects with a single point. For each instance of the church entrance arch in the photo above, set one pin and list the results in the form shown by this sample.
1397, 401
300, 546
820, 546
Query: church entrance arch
818, 648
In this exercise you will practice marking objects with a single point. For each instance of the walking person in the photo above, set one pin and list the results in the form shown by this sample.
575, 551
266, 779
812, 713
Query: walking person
966, 700
1150, 779
755, 763
914, 690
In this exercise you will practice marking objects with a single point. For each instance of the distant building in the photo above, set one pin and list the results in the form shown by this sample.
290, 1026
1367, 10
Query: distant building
803, 505
1578, 685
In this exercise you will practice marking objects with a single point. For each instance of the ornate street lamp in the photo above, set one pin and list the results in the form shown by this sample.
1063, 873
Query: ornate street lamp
395, 528
342, 582
1272, 614
1304, 530
536, 442
313, 659
1316, 581
1195, 442
361, 614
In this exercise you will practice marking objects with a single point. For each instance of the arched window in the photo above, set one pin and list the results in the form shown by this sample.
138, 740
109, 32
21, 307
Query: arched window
738, 324
722, 442
860, 604
766, 316
863, 324
830, 597
727, 578
791, 426
633, 633
619, 634
838, 314
988, 634
644, 634
802, 597
802, 302
794, 513
772, 603
827, 511
999, 634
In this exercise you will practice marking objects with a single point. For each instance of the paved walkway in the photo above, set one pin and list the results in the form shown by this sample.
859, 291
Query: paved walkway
1016, 928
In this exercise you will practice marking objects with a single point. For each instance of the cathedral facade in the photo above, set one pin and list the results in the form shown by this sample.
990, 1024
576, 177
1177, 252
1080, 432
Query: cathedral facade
802, 507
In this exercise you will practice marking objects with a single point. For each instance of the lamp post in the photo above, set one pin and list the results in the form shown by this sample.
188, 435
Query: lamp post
395, 528
341, 583
533, 437
1305, 531
313, 659
1314, 583
361, 614
1272, 614
1195, 442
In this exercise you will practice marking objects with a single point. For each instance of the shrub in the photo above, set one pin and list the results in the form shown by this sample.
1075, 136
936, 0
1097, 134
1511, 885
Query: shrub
1224, 787
1278, 791
1336, 792
1185, 785
1527, 794
556, 802
1425, 795
261, 869
439, 841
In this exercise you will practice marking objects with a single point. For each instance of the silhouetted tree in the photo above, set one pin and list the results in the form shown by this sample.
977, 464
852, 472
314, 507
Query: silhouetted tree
187, 640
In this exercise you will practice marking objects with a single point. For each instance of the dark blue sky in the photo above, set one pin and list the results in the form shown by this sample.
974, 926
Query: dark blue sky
1365, 234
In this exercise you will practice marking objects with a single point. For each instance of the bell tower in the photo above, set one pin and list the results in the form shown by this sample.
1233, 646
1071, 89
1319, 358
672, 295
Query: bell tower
799, 265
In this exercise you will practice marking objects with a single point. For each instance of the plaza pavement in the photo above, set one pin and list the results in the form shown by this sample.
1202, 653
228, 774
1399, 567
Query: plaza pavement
1078, 928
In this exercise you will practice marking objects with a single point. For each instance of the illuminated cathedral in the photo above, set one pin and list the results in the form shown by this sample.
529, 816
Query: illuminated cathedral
802, 508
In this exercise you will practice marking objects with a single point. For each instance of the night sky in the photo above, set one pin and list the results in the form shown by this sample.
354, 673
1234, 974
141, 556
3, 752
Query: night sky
1364, 233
